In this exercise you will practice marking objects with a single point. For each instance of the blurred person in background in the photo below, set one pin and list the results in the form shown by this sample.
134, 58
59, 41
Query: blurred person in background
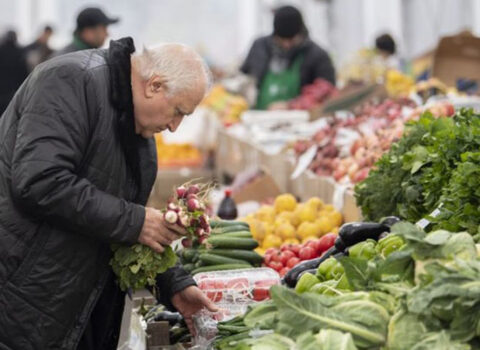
387, 50
13, 68
39, 51
77, 165
286, 60
91, 31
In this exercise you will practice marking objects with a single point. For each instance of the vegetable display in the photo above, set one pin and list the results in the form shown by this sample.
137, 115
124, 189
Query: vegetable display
409, 290
137, 266
433, 166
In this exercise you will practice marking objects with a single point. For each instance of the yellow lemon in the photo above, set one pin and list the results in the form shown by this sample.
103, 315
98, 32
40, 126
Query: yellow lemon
271, 241
286, 230
322, 213
307, 214
286, 216
295, 220
306, 229
329, 207
316, 203
335, 230
260, 251
266, 213
285, 202
336, 218
258, 230
309, 238
324, 225
291, 241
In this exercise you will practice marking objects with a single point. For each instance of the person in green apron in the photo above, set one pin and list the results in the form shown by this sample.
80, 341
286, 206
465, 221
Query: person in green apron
286, 60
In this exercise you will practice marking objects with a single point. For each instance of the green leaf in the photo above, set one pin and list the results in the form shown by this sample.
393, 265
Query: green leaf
439, 341
404, 331
330, 339
365, 320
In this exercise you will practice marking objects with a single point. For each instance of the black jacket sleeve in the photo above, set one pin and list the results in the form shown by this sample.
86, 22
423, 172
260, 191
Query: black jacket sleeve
258, 58
52, 135
171, 282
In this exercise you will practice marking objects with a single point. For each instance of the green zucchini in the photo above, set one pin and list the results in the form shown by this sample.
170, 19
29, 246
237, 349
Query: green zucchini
189, 267
219, 268
239, 234
188, 254
246, 255
226, 223
232, 242
212, 259
227, 229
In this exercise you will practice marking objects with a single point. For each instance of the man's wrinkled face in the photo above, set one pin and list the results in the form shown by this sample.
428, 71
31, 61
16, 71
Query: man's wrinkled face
156, 110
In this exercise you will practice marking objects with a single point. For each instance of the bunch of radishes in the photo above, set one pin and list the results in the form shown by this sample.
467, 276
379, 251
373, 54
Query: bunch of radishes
188, 209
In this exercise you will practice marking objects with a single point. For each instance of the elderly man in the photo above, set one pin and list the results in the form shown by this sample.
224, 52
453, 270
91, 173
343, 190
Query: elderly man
77, 163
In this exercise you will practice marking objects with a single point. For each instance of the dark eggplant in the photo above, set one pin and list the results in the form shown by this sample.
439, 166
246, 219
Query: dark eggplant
390, 221
293, 275
339, 244
356, 232
172, 317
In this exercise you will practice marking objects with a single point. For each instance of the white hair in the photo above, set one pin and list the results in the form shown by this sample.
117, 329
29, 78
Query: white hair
182, 67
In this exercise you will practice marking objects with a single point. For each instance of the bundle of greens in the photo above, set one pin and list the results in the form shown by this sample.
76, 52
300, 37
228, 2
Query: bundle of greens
434, 165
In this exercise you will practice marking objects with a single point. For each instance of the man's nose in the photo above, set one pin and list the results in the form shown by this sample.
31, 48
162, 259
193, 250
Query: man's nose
173, 126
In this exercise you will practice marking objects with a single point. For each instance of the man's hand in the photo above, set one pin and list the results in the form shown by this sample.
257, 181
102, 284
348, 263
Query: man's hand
189, 301
156, 232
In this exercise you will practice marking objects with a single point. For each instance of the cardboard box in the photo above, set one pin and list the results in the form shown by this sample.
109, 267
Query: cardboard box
457, 57
350, 211
260, 189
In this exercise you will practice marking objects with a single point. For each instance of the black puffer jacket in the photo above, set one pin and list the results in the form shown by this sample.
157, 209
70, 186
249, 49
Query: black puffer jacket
73, 178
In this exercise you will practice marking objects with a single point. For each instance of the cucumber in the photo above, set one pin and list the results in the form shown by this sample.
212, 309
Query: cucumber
219, 268
245, 255
212, 259
232, 242
198, 264
238, 234
189, 267
227, 229
188, 254
226, 223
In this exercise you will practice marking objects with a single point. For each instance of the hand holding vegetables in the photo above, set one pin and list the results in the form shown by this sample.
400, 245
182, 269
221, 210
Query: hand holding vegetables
157, 232
138, 265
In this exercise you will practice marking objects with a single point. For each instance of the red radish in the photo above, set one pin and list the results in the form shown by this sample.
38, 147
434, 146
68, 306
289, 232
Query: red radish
193, 204
181, 192
192, 196
202, 239
171, 217
173, 207
183, 220
187, 242
199, 231
204, 222
193, 189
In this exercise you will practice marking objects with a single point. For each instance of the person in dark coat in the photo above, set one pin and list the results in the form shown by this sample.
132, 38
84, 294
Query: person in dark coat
287, 60
39, 51
77, 164
13, 68
91, 31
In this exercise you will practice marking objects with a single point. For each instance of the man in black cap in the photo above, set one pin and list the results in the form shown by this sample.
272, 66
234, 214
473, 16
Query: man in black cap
286, 60
91, 30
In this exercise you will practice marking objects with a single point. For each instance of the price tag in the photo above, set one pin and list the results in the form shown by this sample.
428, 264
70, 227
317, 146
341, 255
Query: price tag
304, 161
424, 222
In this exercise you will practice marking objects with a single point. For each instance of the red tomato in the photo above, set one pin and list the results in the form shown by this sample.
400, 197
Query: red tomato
267, 258
326, 242
285, 247
285, 256
295, 248
284, 271
270, 251
292, 262
275, 257
276, 265
307, 253
266, 283
261, 293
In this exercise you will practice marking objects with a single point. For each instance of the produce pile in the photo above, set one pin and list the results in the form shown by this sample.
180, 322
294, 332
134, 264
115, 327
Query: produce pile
436, 165
290, 222
137, 266
230, 246
177, 154
348, 147
313, 95
409, 290
227, 106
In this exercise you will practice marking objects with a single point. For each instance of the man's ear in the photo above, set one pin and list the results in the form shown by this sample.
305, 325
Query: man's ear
154, 85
